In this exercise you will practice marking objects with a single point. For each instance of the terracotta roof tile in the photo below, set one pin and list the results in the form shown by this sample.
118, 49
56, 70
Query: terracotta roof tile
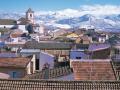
47, 45
14, 62
50, 73
7, 22
58, 85
16, 33
23, 21
93, 70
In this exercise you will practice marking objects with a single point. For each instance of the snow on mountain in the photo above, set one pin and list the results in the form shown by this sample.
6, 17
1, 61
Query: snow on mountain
115, 18
110, 22
68, 13
100, 10
106, 17
65, 26
14, 15
75, 20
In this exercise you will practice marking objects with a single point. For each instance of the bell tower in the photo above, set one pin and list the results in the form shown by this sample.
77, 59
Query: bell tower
30, 16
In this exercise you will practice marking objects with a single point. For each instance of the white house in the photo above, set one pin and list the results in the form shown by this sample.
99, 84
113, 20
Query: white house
7, 26
102, 38
7, 23
35, 37
18, 67
23, 28
20, 23
41, 58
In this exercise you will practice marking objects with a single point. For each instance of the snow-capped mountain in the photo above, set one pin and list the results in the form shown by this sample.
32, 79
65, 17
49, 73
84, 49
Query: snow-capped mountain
88, 20
100, 17
6, 15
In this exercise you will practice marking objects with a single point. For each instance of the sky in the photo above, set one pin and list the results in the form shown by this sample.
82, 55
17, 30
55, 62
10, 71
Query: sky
51, 5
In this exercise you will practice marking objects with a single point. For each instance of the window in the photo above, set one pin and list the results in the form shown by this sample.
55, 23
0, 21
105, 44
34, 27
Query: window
37, 64
117, 51
31, 67
78, 57
30, 15
13, 74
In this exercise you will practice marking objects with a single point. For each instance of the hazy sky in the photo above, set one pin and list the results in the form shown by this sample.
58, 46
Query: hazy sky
22, 5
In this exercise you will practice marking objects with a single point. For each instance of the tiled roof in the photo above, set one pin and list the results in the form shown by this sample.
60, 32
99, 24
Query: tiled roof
7, 55
85, 38
23, 21
19, 62
47, 45
116, 67
81, 46
58, 85
16, 34
95, 47
50, 73
59, 32
93, 70
7, 22
15, 44
80, 31
101, 54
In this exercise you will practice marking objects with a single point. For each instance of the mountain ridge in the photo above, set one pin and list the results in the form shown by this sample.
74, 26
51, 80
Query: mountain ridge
69, 18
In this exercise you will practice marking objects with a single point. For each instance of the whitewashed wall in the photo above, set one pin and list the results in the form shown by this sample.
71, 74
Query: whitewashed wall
7, 26
22, 27
46, 58
74, 54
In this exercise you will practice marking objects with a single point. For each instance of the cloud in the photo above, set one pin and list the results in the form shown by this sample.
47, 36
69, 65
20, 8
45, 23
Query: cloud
96, 10
101, 9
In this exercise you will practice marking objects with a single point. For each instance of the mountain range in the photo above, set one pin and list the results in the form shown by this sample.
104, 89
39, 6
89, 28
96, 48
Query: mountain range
69, 18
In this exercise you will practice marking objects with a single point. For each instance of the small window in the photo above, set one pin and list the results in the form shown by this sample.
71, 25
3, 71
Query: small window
37, 64
78, 57
31, 67
117, 51
13, 74
30, 15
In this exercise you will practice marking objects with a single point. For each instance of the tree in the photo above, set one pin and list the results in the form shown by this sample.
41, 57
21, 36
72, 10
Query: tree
29, 27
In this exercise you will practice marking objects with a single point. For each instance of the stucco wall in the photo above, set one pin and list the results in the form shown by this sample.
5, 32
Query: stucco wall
22, 27
46, 58
6, 26
57, 52
34, 64
74, 54
19, 72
